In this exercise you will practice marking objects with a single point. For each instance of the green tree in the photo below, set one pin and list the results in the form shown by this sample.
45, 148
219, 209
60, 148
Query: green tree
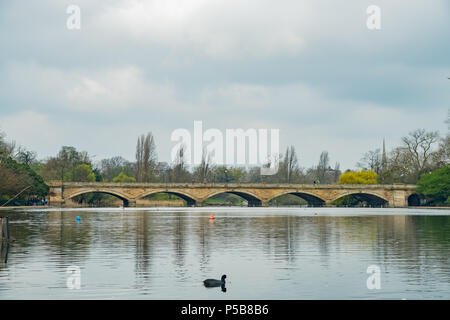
63, 166
112, 167
436, 185
222, 174
83, 173
122, 177
15, 177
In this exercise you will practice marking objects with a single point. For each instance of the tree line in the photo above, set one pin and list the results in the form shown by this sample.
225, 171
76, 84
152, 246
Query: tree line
420, 153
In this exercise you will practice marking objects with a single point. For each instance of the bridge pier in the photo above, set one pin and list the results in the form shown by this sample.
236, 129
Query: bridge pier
56, 203
129, 203
399, 199
328, 203
190, 203
254, 203
199, 203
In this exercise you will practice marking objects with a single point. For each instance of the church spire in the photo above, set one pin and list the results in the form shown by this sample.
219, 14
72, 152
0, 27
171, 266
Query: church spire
384, 158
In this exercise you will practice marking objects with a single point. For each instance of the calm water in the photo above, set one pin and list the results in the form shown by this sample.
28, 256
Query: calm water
301, 253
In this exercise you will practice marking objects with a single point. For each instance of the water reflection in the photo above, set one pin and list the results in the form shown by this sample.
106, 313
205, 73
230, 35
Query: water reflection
144, 246
4, 252
268, 255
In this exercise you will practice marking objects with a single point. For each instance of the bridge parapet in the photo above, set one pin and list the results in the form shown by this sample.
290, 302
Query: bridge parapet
396, 186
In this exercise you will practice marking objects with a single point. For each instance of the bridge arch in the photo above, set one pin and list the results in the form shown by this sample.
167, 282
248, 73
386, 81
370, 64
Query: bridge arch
114, 193
312, 199
252, 199
371, 198
416, 199
190, 200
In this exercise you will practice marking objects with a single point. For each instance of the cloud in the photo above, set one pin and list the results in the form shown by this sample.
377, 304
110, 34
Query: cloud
218, 29
121, 89
29, 128
310, 68
109, 90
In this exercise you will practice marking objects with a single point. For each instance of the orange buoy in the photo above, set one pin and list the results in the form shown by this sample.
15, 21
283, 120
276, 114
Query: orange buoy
211, 217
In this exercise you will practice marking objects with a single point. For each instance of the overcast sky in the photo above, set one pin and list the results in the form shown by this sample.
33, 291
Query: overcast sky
311, 69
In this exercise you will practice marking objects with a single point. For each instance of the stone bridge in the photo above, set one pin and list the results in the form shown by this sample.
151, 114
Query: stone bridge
195, 194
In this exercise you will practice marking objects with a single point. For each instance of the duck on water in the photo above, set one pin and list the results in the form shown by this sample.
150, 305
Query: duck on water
209, 283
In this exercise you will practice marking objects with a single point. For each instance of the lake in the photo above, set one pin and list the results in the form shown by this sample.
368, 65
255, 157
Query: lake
266, 253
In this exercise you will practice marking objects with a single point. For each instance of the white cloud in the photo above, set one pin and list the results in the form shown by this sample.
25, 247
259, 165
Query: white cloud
221, 29
109, 90
309, 68
117, 89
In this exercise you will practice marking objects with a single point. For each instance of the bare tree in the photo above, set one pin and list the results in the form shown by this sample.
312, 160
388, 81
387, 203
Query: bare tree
145, 158
163, 172
323, 166
290, 164
179, 171
149, 157
203, 171
336, 172
415, 157
442, 156
371, 160
6, 148
418, 146
139, 158
25, 156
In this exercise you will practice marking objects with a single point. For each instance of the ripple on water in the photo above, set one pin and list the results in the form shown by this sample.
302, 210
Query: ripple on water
267, 253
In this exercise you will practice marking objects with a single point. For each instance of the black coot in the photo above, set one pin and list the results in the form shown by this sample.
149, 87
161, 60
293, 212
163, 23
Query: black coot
214, 282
